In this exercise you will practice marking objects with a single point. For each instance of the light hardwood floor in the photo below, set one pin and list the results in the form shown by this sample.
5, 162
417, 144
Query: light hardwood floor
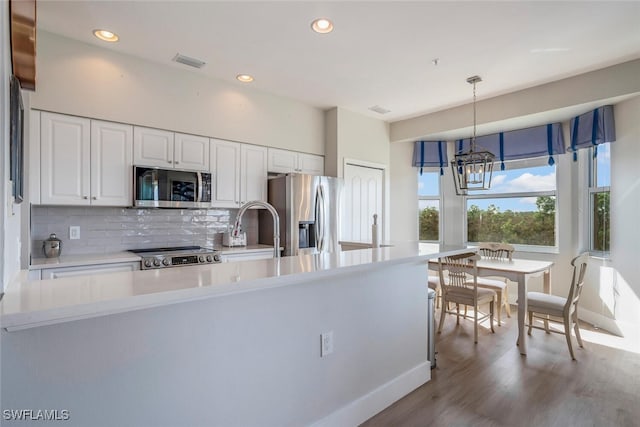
490, 384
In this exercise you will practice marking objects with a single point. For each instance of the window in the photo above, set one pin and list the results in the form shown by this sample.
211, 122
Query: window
599, 188
520, 207
429, 206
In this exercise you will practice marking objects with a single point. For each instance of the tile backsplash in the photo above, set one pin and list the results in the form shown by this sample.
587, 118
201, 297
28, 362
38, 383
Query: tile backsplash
106, 229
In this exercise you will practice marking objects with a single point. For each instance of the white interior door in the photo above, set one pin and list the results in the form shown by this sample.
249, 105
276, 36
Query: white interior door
363, 197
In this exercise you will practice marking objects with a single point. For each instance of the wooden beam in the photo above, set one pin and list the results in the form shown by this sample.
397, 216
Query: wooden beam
23, 41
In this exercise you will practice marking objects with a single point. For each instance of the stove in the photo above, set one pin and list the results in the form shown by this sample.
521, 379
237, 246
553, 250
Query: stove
176, 257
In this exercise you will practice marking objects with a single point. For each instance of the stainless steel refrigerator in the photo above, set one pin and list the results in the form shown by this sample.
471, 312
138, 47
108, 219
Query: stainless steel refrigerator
309, 209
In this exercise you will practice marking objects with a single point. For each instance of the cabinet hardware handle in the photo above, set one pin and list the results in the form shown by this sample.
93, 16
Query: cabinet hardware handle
176, 162
168, 161
94, 198
85, 197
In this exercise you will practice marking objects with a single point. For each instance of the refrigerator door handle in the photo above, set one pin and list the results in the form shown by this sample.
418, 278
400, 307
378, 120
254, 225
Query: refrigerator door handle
320, 219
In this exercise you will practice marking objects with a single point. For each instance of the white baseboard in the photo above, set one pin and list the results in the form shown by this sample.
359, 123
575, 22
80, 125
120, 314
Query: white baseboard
363, 408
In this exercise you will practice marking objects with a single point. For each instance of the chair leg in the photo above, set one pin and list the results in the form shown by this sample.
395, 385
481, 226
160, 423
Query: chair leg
475, 322
530, 322
499, 294
458, 314
567, 334
492, 307
577, 329
443, 311
507, 307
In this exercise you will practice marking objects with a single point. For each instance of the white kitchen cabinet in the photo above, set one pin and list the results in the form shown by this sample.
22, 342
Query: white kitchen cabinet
85, 162
191, 152
57, 273
225, 173
64, 159
161, 148
239, 173
285, 161
310, 164
152, 147
253, 173
111, 163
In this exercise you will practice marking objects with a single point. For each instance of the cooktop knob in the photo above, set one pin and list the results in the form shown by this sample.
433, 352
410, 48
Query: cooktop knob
209, 258
147, 263
201, 258
156, 262
166, 261
217, 258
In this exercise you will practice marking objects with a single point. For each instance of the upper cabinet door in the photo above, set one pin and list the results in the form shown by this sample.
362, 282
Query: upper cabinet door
310, 164
152, 147
111, 164
285, 161
282, 161
64, 159
191, 152
253, 179
225, 173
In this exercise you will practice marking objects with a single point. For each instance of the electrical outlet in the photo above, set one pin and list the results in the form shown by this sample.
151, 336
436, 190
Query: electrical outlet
326, 343
74, 232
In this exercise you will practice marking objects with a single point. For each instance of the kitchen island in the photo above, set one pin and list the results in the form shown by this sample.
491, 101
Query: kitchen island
225, 344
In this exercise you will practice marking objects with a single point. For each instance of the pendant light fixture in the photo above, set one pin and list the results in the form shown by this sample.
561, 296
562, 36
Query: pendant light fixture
472, 170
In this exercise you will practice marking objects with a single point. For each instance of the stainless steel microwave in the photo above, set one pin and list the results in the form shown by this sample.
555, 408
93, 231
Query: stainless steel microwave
171, 188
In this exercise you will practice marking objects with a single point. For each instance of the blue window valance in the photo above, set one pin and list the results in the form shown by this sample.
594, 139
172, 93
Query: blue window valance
538, 141
592, 128
430, 154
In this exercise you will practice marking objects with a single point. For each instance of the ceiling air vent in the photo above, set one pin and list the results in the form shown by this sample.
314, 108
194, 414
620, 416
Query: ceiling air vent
191, 62
379, 109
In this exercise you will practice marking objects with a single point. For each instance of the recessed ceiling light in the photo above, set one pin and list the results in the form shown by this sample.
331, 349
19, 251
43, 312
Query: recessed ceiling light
244, 78
106, 35
322, 26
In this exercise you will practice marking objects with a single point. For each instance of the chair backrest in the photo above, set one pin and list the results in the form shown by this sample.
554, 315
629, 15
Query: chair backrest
459, 268
494, 250
579, 264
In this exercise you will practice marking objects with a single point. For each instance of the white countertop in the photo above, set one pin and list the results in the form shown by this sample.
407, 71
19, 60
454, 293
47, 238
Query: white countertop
124, 256
84, 259
28, 304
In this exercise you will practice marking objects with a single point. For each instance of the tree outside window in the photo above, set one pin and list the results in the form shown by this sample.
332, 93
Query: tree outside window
429, 206
520, 207
599, 191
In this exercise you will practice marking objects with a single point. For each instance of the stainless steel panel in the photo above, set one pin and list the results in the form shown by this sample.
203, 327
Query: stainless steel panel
303, 198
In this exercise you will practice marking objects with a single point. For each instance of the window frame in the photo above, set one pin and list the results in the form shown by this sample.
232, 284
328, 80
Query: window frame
440, 205
525, 163
592, 189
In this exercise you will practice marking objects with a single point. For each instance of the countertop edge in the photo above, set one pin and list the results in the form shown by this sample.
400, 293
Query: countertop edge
30, 319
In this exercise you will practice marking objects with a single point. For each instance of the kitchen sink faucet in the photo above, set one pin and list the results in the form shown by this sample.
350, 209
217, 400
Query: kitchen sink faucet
276, 223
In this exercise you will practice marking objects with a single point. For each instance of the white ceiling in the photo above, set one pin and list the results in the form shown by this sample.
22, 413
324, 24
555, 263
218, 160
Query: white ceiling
380, 53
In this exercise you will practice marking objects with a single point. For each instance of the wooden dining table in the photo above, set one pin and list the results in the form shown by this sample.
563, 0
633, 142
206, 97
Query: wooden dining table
519, 271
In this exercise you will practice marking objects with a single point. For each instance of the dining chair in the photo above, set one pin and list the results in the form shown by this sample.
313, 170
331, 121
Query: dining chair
541, 305
461, 287
497, 251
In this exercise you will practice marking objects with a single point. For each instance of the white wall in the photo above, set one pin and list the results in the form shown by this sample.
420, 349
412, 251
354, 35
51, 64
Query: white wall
10, 214
361, 138
404, 190
625, 208
86, 80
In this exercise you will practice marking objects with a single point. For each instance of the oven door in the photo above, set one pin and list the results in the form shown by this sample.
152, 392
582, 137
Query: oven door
171, 188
